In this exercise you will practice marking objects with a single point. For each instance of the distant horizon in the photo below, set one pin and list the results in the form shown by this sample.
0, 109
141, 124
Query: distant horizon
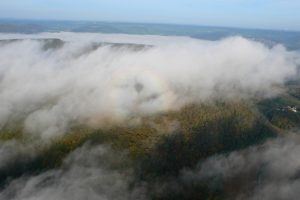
147, 23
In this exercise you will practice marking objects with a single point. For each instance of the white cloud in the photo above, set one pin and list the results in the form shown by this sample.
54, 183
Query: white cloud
54, 88
87, 173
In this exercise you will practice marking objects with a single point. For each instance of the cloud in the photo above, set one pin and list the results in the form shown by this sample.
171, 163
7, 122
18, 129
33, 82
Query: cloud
268, 171
11, 151
86, 83
90, 172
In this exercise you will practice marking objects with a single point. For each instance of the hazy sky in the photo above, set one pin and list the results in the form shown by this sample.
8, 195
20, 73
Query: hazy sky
279, 14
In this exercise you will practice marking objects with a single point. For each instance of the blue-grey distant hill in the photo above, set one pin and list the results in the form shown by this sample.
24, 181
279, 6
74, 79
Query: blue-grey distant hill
291, 39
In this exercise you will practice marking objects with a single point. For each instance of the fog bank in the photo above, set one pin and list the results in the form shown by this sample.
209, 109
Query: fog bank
89, 81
